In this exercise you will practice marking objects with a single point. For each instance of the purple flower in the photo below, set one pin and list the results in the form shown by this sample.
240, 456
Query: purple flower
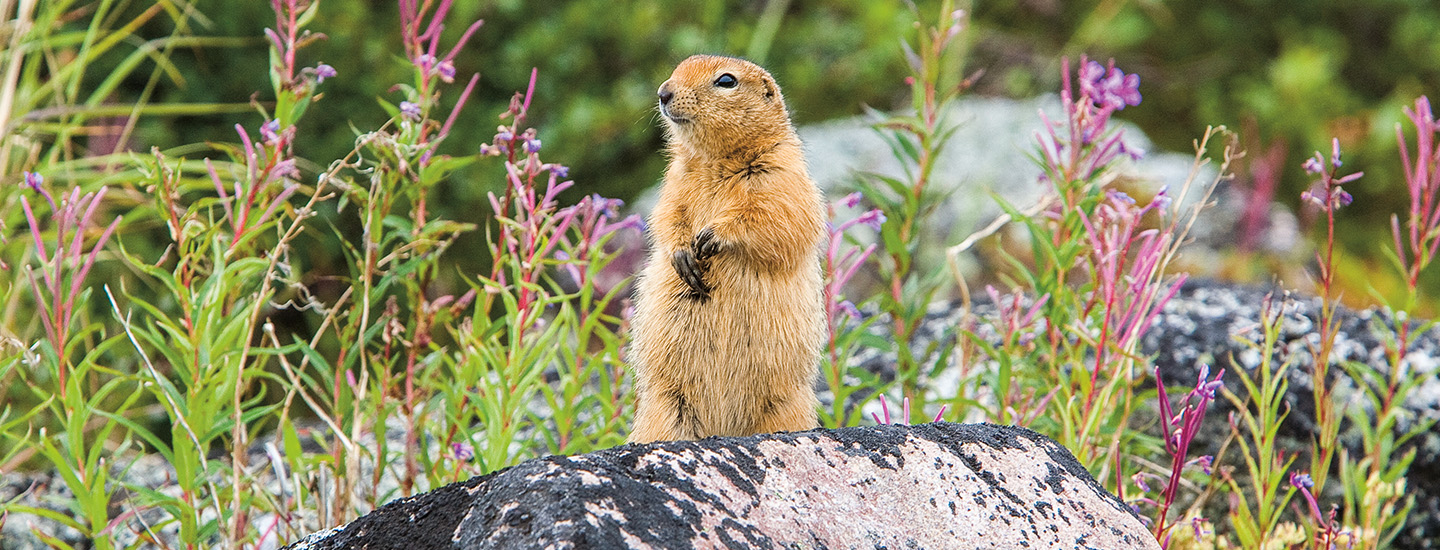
849, 309
462, 451
1198, 524
447, 71
874, 219
1090, 76
270, 131
323, 71
1162, 200
532, 145
285, 169
1122, 89
33, 181
633, 221
1343, 198
504, 136
1205, 462
1113, 89
606, 207
1301, 481
425, 62
1335, 152
852, 200
563, 172
1139, 480
1314, 165
1208, 388
410, 111
1135, 153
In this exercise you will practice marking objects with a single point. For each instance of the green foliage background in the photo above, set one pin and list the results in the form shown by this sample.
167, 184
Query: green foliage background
1300, 71
1295, 71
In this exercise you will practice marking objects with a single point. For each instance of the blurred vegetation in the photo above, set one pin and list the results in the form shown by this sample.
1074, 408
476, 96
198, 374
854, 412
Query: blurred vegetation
1288, 73
599, 65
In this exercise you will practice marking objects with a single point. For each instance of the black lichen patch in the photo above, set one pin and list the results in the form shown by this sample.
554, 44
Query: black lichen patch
422, 521
880, 444
633, 502
638, 498
1055, 478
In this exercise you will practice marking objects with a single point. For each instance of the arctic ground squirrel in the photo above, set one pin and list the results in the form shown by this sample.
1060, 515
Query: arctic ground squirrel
729, 320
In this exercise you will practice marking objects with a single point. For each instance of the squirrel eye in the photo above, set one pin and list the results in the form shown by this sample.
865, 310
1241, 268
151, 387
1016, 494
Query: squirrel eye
727, 80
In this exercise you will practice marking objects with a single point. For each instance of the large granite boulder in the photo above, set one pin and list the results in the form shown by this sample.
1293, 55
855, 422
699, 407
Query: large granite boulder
930, 486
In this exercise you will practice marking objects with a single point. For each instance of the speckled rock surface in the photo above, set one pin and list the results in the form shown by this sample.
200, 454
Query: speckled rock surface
930, 486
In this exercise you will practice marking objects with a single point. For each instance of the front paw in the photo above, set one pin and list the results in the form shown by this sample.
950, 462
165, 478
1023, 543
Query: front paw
692, 271
705, 245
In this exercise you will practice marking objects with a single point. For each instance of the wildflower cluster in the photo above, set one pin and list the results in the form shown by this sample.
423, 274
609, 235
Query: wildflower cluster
1180, 430
1127, 261
64, 265
843, 259
1421, 230
1084, 144
1327, 192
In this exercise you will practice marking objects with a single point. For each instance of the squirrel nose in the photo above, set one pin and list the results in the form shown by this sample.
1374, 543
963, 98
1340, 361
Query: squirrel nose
665, 95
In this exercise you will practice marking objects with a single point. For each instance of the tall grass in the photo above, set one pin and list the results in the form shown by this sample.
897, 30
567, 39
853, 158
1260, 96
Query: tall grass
172, 302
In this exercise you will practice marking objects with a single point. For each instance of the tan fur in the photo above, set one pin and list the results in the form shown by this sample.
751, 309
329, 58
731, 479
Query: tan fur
744, 360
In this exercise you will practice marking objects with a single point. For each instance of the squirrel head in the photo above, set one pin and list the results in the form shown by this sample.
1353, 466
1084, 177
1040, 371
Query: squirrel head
717, 106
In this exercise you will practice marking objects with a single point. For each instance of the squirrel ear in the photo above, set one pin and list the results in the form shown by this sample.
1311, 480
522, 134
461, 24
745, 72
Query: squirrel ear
770, 89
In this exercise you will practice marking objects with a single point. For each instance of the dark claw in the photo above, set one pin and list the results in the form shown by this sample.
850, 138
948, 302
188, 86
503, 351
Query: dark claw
705, 245
690, 271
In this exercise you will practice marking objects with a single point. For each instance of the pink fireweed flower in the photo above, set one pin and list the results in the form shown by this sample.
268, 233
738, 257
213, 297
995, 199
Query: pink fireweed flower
904, 419
1083, 143
1180, 430
873, 219
1421, 228
1139, 480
